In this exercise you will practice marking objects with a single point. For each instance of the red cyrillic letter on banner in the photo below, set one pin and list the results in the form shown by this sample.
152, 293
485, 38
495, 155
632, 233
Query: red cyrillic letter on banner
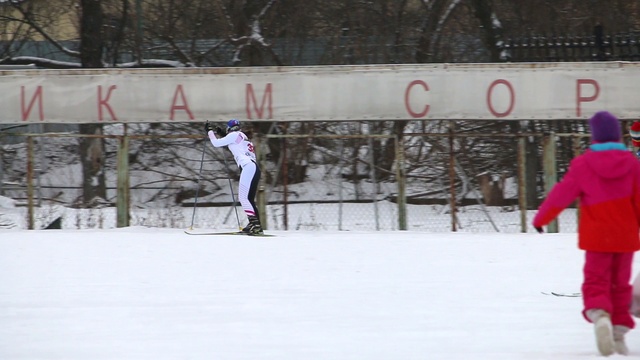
250, 98
36, 96
184, 107
105, 102
580, 99
512, 98
407, 99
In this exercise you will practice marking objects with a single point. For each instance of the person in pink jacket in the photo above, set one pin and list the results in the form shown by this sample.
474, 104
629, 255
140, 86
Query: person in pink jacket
606, 181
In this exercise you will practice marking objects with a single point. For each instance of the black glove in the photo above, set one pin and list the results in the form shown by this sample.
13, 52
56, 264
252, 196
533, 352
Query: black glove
539, 229
207, 127
219, 132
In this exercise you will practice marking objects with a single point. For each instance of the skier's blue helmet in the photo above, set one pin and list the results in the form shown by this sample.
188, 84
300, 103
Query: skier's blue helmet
233, 125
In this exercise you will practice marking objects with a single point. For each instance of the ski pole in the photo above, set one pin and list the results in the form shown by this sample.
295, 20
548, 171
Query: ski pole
195, 203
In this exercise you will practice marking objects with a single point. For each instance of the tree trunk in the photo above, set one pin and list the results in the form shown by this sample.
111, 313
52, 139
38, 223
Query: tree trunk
92, 158
91, 150
490, 32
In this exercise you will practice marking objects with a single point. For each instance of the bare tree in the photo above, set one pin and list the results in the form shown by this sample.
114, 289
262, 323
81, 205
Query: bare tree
178, 33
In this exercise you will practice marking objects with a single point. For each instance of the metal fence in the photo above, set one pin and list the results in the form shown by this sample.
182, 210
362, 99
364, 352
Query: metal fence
597, 46
428, 182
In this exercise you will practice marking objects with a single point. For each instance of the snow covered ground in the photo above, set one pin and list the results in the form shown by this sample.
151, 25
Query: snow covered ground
148, 293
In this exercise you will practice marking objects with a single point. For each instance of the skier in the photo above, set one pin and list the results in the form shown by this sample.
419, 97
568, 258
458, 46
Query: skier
244, 154
606, 180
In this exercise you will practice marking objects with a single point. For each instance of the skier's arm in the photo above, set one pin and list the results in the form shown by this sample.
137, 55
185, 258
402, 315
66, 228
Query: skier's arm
227, 140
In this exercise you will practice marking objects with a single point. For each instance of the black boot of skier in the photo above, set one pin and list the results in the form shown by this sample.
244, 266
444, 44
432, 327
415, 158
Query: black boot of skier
254, 227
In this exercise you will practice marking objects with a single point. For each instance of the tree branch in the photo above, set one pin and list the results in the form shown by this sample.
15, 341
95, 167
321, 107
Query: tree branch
32, 23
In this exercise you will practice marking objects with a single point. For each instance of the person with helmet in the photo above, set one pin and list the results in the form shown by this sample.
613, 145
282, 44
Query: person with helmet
244, 154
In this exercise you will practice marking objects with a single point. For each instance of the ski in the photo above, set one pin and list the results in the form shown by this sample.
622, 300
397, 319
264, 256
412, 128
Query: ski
575, 294
195, 232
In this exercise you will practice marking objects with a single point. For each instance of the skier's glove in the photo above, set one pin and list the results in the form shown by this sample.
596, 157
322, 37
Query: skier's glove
539, 229
219, 132
207, 127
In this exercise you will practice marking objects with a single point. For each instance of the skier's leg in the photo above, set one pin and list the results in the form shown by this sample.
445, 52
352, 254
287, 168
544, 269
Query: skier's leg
249, 180
246, 189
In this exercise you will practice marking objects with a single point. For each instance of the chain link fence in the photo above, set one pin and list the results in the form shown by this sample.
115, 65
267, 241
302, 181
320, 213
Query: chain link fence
421, 181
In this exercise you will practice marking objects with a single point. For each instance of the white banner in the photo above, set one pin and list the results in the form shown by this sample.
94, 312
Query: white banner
337, 93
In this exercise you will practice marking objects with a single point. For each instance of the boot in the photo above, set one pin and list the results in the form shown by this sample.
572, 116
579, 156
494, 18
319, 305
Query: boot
252, 220
618, 339
254, 227
603, 330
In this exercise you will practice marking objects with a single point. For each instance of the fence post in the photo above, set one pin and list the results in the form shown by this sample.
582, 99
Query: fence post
549, 170
122, 198
374, 181
522, 182
452, 175
401, 180
341, 185
30, 205
262, 197
285, 182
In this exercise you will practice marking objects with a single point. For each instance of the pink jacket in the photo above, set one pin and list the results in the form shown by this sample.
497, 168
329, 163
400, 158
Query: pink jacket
606, 181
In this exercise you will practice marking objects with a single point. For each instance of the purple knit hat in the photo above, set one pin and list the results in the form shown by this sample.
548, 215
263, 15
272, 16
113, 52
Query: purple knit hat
605, 127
